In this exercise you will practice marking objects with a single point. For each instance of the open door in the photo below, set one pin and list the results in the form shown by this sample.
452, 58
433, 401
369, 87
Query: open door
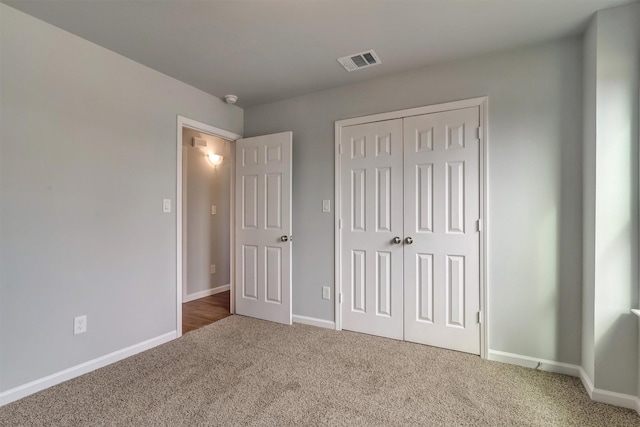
263, 227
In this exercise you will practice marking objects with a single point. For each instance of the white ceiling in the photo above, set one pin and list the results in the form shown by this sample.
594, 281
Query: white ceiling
266, 50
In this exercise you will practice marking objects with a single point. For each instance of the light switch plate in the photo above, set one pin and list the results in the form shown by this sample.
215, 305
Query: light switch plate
213, 209
326, 292
326, 206
166, 205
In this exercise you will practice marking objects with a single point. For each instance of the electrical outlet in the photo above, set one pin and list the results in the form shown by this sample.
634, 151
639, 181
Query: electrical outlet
79, 325
326, 292
213, 269
213, 209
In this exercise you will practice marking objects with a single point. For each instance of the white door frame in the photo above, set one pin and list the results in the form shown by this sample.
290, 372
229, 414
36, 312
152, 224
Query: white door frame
184, 122
483, 104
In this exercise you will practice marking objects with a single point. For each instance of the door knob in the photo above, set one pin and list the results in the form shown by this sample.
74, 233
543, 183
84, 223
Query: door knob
397, 240
408, 240
284, 238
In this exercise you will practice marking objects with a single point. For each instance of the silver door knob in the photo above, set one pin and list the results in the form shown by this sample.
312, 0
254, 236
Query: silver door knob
284, 238
397, 240
408, 240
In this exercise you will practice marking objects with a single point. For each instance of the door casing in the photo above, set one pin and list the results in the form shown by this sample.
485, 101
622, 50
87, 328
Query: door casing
482, 103
231, 137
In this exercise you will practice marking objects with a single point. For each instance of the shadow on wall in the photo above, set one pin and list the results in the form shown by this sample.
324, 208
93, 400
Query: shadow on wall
613, 374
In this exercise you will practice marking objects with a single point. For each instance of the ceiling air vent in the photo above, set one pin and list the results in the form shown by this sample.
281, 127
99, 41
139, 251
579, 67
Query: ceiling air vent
359, 60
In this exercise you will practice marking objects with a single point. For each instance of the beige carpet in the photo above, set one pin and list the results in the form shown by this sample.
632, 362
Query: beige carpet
241, 371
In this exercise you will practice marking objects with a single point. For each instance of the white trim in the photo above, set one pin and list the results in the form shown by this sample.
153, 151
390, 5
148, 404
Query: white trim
596, 394
321, 323
184, 213
337, 250
532, 362
205, 128
400, 114
232, 230
586, 381
609, 397
81, 369
229, 136
484, 235
206, 293
483, 104
635, 311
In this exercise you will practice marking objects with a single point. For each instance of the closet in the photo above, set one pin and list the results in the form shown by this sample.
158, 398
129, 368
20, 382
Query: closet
410, 227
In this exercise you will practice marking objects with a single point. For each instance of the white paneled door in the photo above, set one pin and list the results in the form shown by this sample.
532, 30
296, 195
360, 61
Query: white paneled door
372, 218
263, 227
410, 192
441, 212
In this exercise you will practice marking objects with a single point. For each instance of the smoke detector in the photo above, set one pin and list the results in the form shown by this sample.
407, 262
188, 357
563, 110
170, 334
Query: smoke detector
360, 60
231, 99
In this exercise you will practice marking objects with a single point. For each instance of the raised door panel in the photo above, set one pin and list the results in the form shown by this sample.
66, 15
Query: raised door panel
424, 198
273, 201
249, 277
249, 200
424, 288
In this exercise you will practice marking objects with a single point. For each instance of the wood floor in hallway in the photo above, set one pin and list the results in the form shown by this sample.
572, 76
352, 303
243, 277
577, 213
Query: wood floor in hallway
204, 311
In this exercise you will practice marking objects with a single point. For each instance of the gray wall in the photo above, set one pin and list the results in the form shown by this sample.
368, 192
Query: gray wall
611, 186
208, 236
87, 153
535, 184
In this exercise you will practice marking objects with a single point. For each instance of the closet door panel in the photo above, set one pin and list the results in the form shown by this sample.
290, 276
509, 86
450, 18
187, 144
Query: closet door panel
372, 215
441, 207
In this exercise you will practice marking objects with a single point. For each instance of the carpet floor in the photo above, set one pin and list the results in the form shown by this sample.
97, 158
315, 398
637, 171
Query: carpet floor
242, 371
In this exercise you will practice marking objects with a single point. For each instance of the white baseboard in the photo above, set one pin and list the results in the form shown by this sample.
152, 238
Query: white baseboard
24, 390
313, 321
532, 362
205, 293
586, 382
610, 397
597, 395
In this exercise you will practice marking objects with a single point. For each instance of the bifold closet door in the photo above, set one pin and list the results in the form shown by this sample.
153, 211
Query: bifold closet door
372, 216
441, 210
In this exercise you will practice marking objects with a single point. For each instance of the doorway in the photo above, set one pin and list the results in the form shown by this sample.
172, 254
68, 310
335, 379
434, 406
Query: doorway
205, 223
259, 220
410, 190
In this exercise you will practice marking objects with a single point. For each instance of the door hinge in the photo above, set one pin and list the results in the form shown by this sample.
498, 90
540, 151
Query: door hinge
479, 317
340, 298
479, 224
340, 224
340, 149
480, 133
